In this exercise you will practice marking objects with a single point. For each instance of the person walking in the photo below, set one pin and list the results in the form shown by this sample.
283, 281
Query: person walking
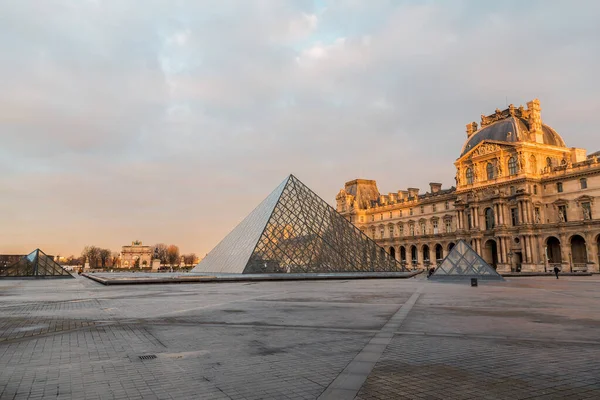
556, 271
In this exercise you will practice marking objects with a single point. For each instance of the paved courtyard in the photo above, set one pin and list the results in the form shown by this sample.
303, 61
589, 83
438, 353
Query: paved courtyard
527, 338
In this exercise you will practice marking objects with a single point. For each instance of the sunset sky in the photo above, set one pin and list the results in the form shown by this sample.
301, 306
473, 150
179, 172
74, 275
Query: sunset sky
169, 121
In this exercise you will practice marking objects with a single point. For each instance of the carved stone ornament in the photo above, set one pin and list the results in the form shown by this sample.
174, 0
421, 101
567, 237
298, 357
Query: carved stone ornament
586, 213
486, 148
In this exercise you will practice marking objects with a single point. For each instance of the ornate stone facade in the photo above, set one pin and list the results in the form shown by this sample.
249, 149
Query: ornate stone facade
524, 201
131, 254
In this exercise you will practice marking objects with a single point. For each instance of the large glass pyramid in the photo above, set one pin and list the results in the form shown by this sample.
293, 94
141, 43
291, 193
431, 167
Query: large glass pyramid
294, 231
462, 263
36, 264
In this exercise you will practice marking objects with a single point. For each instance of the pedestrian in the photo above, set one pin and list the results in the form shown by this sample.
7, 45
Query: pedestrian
556, 271
430, 272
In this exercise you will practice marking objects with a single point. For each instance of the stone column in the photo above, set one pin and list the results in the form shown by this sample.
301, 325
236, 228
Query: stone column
420, 262
496, 214
500, 251
529, 252
521, 217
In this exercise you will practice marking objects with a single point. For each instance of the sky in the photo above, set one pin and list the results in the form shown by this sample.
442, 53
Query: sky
169, 121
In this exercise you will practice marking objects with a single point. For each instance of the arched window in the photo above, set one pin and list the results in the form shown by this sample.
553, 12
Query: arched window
469, 176
489, 218
512, 166
490, 171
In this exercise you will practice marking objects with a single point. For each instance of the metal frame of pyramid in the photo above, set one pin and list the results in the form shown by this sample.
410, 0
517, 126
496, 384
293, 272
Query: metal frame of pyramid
295, 231
463, 263
35, 265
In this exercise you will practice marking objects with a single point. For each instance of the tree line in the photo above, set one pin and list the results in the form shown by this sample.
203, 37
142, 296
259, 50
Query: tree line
98, 257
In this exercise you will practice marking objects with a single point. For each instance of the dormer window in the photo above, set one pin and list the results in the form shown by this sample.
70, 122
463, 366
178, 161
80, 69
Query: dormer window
469, 176
490, 171
512, 166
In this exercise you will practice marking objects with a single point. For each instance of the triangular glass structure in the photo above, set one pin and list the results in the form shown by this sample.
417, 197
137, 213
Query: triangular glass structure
463, 262
36, 264
295, 231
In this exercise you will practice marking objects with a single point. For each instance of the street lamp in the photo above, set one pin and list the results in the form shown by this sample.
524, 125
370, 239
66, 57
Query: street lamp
510, 256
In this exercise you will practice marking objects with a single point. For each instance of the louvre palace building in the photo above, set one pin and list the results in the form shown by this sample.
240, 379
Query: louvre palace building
523, 200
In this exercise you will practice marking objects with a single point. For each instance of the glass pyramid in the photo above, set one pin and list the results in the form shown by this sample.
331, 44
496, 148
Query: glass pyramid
463, 262
35, 264
295, 231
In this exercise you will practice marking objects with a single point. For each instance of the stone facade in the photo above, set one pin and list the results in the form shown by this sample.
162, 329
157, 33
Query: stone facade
137, 251
523, 199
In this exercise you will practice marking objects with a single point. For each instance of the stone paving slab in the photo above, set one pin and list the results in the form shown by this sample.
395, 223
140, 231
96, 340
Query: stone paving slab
76, 339
455, 368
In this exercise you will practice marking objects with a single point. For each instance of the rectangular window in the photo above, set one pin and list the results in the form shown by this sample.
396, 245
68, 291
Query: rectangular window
362, 218
423, 229
410, 211
422, 209
447, 204
562, 213
373, 233
400, 213
514, 216
559, 187
381, 232
448, 226
391, 215
583, 183
435, 227
412, 230
391, 231
534, 189
372, 217
513, 190
400, 230
434, 208
381, 217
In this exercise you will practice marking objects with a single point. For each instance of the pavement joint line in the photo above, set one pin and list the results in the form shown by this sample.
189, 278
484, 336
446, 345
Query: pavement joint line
348, 383
498, 337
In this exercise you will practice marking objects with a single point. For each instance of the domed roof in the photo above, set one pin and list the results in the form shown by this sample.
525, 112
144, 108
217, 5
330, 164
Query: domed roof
511, 129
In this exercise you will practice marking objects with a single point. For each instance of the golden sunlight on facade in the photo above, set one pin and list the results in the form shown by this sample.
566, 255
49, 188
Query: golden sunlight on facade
523, 200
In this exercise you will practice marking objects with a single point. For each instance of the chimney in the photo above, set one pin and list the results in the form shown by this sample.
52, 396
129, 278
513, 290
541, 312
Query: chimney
471, 129
413, 192
435, 187
535, 121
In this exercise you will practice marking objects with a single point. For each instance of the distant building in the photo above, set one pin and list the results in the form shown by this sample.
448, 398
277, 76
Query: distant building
523, 200
136, 255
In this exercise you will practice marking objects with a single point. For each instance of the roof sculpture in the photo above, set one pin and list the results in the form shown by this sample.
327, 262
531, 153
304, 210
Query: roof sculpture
514, 124
36, 264
294, 231
463, 263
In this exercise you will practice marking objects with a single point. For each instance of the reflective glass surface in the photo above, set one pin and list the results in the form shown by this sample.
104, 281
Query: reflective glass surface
36, 263
297, 232
463, 261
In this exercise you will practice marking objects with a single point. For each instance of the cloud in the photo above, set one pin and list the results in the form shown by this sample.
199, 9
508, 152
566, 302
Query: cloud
169, 121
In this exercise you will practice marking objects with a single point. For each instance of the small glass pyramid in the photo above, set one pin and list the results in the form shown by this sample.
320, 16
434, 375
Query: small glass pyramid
464, 262
36, 264
295, 231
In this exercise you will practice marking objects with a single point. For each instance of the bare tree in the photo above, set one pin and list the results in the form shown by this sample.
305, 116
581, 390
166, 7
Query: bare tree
91, 254
160, 251
104, 255
172, 254
190, 259
115, 261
